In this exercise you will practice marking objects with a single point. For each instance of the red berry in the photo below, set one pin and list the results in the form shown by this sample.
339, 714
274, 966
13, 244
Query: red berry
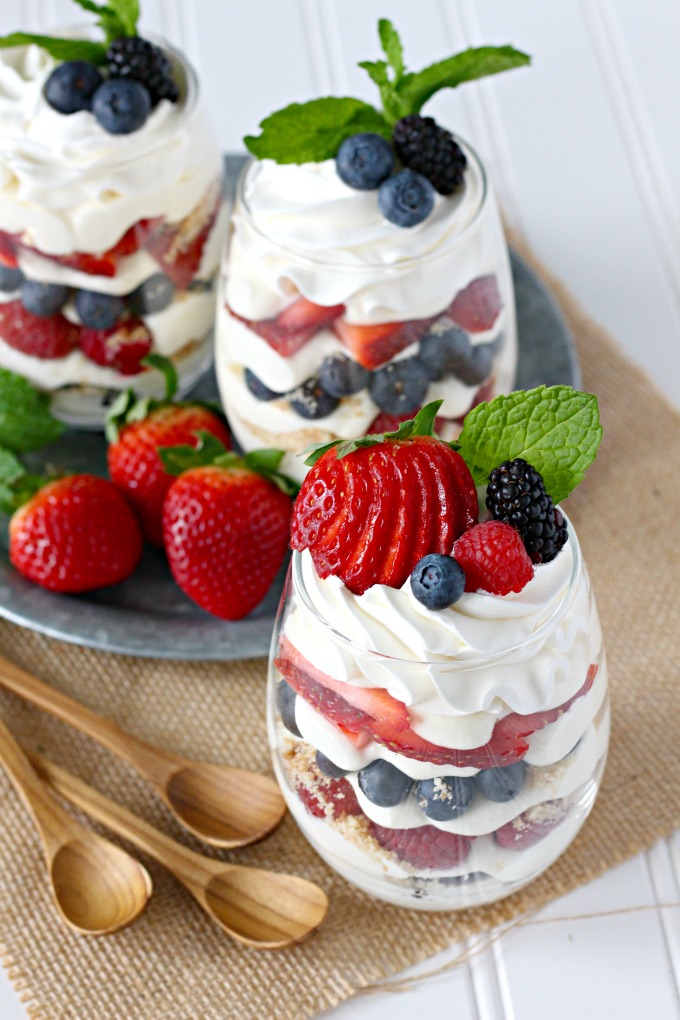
52, 337
375, 345
294, 326
76, 534
494, 558
178, 247
424, 846
121, 347
371, 515
329, 796
226, 533
532, 825
134, 464
477, 306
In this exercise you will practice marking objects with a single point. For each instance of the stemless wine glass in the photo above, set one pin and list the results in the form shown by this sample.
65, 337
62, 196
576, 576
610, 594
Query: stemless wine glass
314, 273
137, 216
450, 780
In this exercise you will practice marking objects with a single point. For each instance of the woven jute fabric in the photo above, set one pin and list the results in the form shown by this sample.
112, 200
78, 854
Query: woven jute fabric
173, 964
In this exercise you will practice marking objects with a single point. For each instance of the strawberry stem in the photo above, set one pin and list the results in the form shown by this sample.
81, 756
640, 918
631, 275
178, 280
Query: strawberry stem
421, 425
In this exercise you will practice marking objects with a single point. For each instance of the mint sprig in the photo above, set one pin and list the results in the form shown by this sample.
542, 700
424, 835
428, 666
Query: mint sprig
421, 425
312, 132
211, 452
25, 420
556, 429
117, 18
17, 486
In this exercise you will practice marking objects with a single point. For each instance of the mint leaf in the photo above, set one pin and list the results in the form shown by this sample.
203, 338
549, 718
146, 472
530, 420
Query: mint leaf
391, 44
16, 486
556, 429
415, 89
311, 132
60, 49
25, 421
127, 12
377, 71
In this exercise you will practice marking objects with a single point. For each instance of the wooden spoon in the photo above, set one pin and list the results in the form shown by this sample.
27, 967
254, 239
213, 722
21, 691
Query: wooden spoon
224, 806
97, 887
260, 908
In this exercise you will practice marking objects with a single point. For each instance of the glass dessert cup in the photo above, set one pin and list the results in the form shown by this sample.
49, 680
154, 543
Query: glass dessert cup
138, 216
313, 271
499, 753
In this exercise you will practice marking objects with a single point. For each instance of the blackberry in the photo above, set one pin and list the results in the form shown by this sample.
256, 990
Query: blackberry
139, 60
430, 150
516, 494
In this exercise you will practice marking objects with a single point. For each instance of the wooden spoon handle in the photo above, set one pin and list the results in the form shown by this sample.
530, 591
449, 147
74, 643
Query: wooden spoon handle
50, 820
152, 761
188, 867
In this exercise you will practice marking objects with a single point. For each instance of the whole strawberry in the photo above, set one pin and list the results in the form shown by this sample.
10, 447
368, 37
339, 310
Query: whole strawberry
225, 525
370, 508
137, 428
74, 534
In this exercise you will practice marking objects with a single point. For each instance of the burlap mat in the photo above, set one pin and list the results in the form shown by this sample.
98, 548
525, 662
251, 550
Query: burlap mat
172, 964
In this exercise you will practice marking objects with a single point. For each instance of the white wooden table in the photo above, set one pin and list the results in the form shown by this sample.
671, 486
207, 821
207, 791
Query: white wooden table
584, 149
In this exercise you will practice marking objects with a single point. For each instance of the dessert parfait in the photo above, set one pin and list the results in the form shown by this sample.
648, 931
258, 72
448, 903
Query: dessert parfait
366, 272
111, 213
438, 695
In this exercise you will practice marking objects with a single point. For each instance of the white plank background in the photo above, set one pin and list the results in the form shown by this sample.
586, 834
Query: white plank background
584, 149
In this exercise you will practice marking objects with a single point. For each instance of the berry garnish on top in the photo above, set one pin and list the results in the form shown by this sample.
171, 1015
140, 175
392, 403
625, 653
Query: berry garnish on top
516, 494
139, 74
368, 143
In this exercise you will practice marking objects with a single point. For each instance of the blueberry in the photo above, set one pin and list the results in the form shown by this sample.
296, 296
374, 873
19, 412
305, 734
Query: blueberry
43, 299
285, 702
328, 767
311, 400
258, 388
437, 581
445, 797
477, 368
154, 295
384, 784
444, 348
71, 86
400, 387
364, 161
121, 105
341, 377
406, 199
11, 278
501, 784
99, 311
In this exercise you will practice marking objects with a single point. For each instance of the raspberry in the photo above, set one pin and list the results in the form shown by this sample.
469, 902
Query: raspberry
532, 825
139, 60
430, 150
334, 795
423, 847
493, 558
516, 494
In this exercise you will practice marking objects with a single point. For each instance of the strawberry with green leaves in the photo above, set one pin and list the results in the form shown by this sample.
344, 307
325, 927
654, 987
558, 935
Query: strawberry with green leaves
137, 428
225, 524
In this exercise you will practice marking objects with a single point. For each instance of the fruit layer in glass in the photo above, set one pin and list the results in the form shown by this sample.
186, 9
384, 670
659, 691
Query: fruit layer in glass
457, 759
314, 272
138, 217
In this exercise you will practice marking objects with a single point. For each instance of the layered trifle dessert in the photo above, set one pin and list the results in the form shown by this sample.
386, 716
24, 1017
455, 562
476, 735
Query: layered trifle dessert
366, 271
438, 694
111, 214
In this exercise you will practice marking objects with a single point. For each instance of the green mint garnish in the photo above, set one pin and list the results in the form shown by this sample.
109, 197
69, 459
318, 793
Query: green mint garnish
556, 429
117, 18
25, 420
312, 132
210, 451
16, 485
421, 425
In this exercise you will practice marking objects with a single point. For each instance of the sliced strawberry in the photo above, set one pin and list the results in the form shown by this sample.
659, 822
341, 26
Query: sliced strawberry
177, 247
294, 326
134, 239
120, 347
477, 306
400, 553
8, 250
334, 796
371, 548
532, 825
52, 337
372, 346
349, 521
425, 846
319, 506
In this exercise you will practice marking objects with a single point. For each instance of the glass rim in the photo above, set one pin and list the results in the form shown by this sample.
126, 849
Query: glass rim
442, 250
452, 664
189, 85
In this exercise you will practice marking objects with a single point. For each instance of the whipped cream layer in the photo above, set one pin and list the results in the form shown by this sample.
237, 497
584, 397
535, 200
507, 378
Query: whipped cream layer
67, 185
299, 228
